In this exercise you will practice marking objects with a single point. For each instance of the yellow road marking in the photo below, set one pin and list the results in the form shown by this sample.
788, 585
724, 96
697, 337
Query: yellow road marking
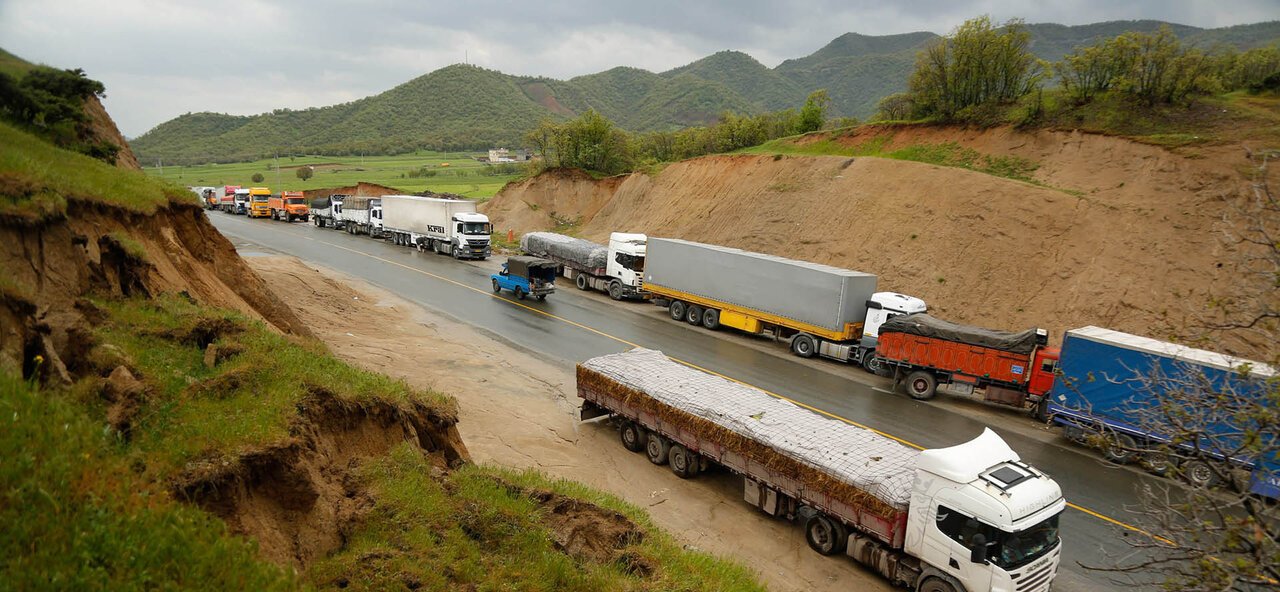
1083, 509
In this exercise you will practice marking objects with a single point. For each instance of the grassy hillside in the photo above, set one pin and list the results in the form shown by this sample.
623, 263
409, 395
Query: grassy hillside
469, 108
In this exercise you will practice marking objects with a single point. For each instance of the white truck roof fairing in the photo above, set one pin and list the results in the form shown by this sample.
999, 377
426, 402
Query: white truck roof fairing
963, 463
899, 302
629, 242
470, 217
1165, 349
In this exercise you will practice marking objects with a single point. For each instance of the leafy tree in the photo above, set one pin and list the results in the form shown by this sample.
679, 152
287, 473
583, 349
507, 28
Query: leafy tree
895, 107
977, 65
1153, 68
813, 113
1228, 538
304, 172
257, 178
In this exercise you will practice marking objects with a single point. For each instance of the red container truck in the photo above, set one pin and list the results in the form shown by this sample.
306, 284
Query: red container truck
1014, 369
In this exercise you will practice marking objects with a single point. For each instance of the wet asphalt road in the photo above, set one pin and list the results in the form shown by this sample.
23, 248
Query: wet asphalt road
579, 325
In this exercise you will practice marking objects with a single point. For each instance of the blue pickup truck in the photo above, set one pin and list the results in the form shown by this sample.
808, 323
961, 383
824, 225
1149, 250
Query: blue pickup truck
527, 276
1114, 383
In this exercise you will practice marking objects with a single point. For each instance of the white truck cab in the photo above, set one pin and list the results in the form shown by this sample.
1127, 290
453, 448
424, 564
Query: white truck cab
885, 305
471, 235
980, 519
626, 260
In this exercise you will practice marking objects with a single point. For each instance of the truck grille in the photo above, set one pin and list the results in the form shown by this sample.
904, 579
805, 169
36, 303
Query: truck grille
1036, 579
477, 243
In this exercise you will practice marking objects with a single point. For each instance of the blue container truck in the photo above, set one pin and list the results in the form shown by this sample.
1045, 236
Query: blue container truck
1108, 379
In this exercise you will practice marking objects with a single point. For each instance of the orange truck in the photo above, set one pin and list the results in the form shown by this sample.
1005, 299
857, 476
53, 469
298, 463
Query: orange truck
288, 206
1008, 368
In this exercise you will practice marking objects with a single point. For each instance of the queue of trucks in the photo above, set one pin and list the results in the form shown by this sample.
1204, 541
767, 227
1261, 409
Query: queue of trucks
969, 517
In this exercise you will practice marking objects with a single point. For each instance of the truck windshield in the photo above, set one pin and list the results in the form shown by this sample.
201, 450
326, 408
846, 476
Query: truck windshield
1018, 548
632, 262
294, 201
260, 198
476, 228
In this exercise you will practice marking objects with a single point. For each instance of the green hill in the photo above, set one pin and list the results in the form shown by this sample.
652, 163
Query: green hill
465, 107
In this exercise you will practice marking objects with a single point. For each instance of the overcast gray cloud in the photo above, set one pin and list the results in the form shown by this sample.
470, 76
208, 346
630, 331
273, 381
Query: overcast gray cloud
161, 59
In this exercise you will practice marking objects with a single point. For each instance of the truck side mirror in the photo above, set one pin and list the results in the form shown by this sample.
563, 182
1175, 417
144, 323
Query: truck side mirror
978, 548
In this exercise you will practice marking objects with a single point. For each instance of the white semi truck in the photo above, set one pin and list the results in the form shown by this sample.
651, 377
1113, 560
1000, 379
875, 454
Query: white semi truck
969, 518
325, 211
827, 311
450, 226
356, 215
616, 270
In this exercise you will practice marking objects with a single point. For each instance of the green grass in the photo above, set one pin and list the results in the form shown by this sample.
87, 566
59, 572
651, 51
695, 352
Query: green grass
255, 393
76, 518
464, 175
483, 528
36, 179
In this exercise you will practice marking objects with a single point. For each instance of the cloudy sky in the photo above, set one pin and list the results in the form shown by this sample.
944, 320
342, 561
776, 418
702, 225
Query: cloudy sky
162, 58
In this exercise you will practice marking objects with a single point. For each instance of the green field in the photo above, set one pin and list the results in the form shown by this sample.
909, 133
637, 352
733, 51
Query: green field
464, 175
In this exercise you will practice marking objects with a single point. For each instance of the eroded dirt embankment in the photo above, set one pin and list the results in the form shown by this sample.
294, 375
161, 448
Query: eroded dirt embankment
1120, 234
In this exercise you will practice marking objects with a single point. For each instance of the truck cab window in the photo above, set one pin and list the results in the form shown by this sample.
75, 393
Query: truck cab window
1049, 366
631, 262
961, 528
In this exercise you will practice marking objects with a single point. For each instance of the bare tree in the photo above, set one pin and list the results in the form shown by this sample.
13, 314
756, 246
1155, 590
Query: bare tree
1223, 433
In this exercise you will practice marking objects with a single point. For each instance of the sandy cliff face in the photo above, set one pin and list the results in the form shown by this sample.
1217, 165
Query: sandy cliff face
1115, 233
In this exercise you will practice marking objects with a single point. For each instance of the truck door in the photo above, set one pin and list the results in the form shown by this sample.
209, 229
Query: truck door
1044, 367
948, 545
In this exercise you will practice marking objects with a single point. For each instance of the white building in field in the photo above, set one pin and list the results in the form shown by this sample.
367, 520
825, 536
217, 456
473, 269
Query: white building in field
505, 155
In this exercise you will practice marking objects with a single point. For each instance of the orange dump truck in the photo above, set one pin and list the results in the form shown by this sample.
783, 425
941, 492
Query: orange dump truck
288, 206
1008, 368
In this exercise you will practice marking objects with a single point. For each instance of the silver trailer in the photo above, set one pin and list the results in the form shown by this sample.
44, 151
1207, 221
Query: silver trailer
449, 226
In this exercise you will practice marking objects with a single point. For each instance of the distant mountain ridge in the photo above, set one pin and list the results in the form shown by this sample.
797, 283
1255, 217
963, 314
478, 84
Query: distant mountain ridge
467, 107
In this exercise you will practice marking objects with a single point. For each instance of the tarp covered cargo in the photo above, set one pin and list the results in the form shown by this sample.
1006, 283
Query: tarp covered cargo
1022, 342
321, 203
585, 253
358, 202
823, 454
812, 293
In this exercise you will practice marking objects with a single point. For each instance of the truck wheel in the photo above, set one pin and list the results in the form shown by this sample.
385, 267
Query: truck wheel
711, 319
677, 310
615, 290
541, 297
1120, 449
936, 585
693, 315
1159, 462
496, 287
1075, 434
657, 448
921, 385
683, 463
519, 293
872, 363
1041, 410
1199, 474
580, 280
633, 436
826, 536
803, 345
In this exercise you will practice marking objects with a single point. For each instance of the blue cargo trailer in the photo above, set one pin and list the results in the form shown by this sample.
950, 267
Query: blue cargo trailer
1108, 378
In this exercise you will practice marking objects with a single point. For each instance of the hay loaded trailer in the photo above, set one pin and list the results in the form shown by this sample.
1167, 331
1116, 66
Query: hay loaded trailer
966, 518
615, 269
827, 311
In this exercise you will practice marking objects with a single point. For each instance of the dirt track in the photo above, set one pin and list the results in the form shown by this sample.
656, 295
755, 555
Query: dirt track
518, 411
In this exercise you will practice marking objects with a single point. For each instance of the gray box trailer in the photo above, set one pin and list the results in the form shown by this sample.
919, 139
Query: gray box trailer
810, 293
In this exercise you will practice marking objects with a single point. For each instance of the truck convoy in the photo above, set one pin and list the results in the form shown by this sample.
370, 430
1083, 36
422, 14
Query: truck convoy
259, 202
450, 226
227, 202
288, 206
961, 519
1109, 379
616, 269
325, 210
832, 312
1008, 368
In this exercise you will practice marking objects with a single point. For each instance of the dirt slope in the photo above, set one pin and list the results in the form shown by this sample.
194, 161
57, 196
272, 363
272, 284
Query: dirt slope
1135, 244
102, 127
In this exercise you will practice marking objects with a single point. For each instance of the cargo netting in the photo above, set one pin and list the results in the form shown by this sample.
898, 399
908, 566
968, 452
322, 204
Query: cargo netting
824, 455
550, 244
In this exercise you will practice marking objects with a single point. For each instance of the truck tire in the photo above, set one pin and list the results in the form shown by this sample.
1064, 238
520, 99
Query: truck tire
519, 293
921, 385
1199, 474
693, 315
1040, 411
683, 463
711, 319
1160, 462
826, 536
1120, 449
615, 290
320, 222
936, 585
657, 448
633, 436
677, 309
580, 280
873, 363
496, 287
804, 345
541, 297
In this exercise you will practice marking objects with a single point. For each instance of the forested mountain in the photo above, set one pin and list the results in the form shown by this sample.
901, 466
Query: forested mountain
466, 107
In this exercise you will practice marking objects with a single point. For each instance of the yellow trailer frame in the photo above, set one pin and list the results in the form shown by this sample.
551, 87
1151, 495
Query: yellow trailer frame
754, 321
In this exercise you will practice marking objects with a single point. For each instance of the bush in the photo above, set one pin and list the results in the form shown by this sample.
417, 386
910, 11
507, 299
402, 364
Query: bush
257, 177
